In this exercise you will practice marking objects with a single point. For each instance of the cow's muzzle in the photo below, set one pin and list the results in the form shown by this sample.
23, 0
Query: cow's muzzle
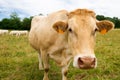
86, 62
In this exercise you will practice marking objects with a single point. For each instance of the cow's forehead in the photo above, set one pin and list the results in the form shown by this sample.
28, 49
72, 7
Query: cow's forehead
79, 22
82, 12
82, 18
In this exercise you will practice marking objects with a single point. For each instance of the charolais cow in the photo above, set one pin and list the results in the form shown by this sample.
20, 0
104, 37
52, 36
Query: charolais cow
2, 32
18, 33
64, 36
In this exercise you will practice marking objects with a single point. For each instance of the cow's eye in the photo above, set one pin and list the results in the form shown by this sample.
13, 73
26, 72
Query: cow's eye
70, 30
96, 29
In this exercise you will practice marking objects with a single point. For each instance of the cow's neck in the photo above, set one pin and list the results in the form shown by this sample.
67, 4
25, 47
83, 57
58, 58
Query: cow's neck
60, 51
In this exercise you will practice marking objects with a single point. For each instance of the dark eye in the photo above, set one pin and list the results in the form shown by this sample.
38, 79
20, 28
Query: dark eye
96, 29
70, 30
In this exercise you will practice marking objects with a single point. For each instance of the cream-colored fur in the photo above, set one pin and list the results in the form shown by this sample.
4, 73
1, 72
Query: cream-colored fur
47, 41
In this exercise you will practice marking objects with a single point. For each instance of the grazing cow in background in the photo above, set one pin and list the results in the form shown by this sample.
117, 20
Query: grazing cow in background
18, 33
14, 32
65, 35
2, 32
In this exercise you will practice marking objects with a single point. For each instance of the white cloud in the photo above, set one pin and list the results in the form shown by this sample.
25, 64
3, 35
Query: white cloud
34, 7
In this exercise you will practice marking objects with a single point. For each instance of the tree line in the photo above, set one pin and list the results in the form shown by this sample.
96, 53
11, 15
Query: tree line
15, 22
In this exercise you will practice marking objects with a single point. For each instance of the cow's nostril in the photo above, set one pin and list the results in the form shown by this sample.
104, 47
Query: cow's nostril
80, 62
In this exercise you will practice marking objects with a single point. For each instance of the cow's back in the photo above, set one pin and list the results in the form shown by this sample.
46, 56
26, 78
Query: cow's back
42, 34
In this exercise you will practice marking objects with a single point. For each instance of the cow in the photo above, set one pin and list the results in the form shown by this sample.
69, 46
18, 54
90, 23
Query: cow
2, 32
65, 36
18, 33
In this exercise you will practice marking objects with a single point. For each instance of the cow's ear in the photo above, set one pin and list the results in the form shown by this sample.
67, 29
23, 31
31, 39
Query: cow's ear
104, 26
60, 26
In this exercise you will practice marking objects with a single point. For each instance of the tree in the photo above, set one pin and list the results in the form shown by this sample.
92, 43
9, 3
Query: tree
15, 21
26, 23
116, 22
5, 23
100, 17
0, 24
14, 15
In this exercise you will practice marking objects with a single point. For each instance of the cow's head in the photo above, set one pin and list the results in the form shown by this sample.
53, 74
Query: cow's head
81, 29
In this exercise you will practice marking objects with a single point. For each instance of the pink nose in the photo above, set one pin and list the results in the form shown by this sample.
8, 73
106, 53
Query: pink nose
86, 62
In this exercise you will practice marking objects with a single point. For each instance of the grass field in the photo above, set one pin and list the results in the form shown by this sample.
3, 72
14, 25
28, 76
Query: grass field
18, 61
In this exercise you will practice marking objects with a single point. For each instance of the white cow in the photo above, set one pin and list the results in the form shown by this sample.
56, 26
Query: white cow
3, 32
65, 35
18, 33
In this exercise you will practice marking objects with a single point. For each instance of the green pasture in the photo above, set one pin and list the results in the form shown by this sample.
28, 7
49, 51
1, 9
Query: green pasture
19, 61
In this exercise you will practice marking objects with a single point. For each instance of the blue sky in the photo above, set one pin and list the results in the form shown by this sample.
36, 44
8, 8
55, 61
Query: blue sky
26, 8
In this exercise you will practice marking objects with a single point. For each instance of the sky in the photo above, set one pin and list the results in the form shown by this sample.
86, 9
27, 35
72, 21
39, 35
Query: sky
27, 8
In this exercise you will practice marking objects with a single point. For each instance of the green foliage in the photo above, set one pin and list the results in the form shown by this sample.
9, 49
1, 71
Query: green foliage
100, 17
20, 61
5, 23
14, 15
14, 22
26, 23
